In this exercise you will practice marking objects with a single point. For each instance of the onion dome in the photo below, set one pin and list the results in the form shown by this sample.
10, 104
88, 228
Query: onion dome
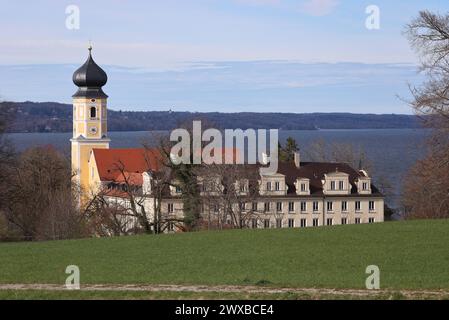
90, 78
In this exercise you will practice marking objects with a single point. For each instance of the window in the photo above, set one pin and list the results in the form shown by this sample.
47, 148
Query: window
303, 187
365, 186
291, 206
330, 206
315, 222
170, 226
170, 208
279, 223
216, 208
303, 206
243, 187
242, 206
291, 223
357, 220
344, 206
371, 220
344, 221
341, 185
371, 206
254, 206
93, 112
254, 223
178, 189
357, 206
315, 206
266, 206
266, 223
268, 186
329, 221
303, 223
332, 185
278, 206
277, 186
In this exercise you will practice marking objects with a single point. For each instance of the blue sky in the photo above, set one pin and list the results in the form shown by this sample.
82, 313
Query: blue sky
216, 55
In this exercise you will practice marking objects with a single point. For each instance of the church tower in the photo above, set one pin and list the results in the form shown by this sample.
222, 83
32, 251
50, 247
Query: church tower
89, 118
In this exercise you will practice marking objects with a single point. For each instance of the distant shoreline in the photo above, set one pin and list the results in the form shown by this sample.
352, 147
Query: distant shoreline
281, 130
53, 117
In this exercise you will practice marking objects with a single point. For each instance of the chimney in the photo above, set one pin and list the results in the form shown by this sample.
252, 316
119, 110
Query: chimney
297, 159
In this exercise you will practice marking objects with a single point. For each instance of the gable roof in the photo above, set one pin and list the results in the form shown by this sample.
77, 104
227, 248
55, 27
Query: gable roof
133, 162
136, 161
315, 171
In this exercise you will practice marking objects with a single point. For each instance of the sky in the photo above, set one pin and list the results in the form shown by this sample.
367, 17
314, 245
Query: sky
215, 55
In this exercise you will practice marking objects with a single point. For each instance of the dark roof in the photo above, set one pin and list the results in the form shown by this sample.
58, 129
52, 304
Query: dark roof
90, 78
315, 171
138, 160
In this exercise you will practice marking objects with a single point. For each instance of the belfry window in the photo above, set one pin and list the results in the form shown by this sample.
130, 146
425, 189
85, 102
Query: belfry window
93, 112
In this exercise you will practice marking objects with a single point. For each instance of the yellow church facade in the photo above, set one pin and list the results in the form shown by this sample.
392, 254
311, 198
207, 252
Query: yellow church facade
89, 120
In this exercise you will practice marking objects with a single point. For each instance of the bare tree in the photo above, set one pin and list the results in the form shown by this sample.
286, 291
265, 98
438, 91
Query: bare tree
426, 190
321, 151
230, 189
40, 202
126, 205
106, 217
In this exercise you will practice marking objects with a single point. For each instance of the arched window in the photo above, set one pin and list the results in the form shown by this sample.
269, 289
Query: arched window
93, 112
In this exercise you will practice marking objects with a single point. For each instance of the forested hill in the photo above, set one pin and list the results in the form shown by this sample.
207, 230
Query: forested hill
57, 117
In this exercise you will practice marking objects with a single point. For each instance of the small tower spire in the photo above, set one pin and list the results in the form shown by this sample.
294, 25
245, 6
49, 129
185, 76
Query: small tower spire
89, 47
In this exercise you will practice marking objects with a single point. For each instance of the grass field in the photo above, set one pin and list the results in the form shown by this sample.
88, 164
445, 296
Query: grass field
410, 255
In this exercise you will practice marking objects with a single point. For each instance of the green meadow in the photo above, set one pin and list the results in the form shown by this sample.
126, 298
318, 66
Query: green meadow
410, 255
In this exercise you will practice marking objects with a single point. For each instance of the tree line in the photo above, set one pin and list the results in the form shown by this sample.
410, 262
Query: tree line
56, 117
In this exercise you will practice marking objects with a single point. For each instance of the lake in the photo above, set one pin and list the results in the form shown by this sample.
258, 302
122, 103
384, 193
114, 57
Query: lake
391, 151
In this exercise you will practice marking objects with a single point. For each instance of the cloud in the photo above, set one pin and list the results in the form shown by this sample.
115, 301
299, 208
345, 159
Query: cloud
319, 7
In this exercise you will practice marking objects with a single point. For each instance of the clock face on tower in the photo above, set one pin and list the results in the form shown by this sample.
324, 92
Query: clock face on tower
93, 130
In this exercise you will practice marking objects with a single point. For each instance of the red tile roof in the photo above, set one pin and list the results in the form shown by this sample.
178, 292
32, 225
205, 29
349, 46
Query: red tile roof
133, 162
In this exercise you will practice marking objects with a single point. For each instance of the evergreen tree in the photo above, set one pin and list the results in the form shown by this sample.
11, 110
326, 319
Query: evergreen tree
287, 153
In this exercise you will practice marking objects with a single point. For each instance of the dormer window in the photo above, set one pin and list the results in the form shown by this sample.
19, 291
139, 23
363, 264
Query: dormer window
365, 186
302, 186
268, 186
336, 183
93, 112
277, 186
